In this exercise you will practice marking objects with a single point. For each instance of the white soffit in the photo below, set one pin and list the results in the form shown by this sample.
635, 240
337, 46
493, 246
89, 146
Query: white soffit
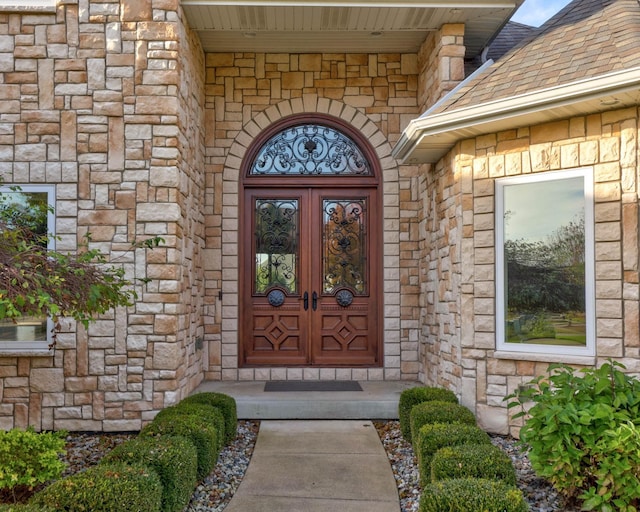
338, 26
429, 138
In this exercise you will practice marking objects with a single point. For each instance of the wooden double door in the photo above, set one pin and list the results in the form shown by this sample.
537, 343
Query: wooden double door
310, 277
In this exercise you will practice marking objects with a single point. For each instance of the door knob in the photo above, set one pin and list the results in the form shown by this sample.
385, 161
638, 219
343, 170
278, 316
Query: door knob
314, 301
305, 300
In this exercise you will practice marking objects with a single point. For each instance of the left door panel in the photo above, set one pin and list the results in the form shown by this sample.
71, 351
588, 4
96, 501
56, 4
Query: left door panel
275, 279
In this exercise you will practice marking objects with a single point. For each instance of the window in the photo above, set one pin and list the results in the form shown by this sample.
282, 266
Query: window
545, 263
32, 204
311, 149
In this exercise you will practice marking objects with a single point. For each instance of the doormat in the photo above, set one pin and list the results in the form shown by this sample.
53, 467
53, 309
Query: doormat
312, 385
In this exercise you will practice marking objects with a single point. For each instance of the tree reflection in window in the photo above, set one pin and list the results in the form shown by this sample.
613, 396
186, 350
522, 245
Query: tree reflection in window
544, 262
276, 239
24, 215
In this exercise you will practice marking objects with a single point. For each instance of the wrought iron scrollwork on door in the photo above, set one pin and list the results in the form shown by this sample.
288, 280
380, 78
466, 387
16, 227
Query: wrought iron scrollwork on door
276, 298
310, 149
276, 235
344, 298
344, 240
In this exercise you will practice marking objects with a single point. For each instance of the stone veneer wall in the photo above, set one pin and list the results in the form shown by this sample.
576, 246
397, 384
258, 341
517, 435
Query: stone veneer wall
143, 135
458, 332
245, 94
441, 63
105, 100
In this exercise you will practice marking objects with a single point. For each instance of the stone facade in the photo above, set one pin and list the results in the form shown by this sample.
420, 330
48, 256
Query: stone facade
458, 333
105, 100
143, 135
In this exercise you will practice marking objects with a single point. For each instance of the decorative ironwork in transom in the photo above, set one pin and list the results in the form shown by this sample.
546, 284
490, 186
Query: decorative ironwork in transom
310, 149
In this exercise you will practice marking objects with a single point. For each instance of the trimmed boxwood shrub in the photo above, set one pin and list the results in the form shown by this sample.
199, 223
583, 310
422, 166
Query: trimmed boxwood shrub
206, 412
227, 406
439, 412
472, 461
25, 507
200, 432
104, 488
414, 396
433, 436
472, 495
173, 458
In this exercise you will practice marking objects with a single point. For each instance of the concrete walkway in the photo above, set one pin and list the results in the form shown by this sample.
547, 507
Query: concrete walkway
317, 466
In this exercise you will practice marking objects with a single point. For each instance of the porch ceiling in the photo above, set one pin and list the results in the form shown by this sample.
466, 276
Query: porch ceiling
336, 26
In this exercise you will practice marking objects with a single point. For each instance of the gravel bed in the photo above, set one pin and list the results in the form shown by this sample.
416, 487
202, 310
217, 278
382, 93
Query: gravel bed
538, 492
215, 491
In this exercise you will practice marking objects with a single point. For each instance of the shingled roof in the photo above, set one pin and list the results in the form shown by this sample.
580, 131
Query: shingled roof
586, 38
586, 58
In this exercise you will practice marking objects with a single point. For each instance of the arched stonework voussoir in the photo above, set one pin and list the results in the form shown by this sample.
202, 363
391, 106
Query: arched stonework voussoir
353, 122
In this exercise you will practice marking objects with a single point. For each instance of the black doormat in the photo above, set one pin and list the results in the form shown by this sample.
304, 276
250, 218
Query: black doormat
312, 385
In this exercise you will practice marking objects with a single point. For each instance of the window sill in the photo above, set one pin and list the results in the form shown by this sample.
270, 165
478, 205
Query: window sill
545, 358
25, 352
29, 6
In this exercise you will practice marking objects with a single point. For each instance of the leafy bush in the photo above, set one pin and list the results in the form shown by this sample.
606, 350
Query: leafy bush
206, 412
433, 436
227, 406
472, 495
104, 488
25, 507
28, 458
581, 433
472, 461
414, 396
201, 433
173, 458
617, 471
439, 412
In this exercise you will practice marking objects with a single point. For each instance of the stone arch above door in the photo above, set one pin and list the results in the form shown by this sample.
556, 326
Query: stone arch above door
309, 104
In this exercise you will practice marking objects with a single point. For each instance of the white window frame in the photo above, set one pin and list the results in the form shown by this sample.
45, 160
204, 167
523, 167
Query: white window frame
530, 348
50, 190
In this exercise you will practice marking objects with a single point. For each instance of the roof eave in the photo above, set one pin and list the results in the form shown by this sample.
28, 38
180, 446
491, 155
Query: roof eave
429, 138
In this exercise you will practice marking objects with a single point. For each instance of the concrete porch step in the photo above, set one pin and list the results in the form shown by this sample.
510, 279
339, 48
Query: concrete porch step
377, 400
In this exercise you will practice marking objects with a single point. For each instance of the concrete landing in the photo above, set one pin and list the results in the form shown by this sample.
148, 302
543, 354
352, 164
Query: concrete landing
316, 466
377, 400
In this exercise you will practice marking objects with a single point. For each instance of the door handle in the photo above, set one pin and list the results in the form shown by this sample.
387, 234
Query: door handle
314, 301
305, 300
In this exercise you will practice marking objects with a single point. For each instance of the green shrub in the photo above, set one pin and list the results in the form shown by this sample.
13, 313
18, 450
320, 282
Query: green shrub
173, 458
617, 471
104, 488
414, 396
439, 412
205, 412
472, 495
433, 436
25, 507
575, 432
28, 458
227, 406
472, 461
200, 432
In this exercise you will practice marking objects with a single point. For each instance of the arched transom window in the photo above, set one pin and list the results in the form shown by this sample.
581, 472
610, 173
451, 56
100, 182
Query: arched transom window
310, 149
